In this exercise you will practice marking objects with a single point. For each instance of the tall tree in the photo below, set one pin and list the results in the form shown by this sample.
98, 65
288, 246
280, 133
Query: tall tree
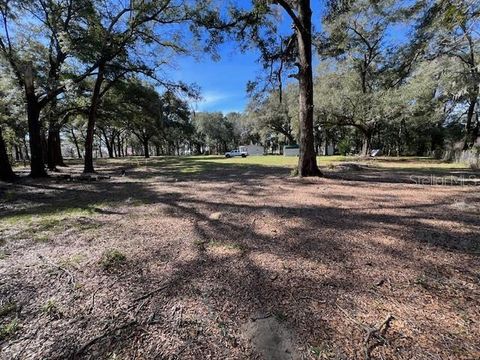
10, 100
120, 35
295, 49
6, 172
451, 27
35, 65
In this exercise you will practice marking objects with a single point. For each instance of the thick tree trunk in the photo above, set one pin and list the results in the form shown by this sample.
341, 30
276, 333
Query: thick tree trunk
54, 148
146, 151
37, 168
111, 155
92, 117
51, 161
307, 162
6, 172
58, 150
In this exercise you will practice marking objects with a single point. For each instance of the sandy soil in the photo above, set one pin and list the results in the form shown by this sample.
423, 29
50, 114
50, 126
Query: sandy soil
227, 264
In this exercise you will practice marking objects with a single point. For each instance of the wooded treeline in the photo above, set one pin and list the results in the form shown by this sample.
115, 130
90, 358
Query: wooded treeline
399, 76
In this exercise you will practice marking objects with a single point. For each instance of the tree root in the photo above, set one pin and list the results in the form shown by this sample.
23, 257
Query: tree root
378, 336
375, 336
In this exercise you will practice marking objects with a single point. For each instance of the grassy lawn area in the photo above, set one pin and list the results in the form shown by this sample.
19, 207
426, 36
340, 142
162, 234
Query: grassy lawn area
184, 165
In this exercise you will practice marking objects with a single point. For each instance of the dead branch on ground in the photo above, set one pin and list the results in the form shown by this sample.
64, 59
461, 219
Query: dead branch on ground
163, 287
101, 336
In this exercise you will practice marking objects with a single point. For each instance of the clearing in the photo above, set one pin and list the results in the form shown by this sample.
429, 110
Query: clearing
205, 257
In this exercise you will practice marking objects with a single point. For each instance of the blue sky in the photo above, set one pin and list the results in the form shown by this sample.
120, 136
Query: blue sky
223, 83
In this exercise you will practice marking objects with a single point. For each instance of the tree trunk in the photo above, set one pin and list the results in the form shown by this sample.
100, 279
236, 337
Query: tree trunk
37, 168
114, 147
99, 147
146, 151
119, 145
51, 161
476, 130
92, 117
6, 172
290, 139
58, 150
367, 144
468, 139
107, 143
54, 148
25, 147
18, 153
307, 162
75, 141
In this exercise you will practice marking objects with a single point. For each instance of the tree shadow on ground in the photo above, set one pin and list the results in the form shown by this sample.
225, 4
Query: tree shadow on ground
299, 273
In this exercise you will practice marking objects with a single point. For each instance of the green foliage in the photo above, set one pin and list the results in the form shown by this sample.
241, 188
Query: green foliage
345, 146
216, 131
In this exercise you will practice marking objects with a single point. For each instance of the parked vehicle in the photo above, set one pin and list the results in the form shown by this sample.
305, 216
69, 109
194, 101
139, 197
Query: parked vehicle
236, 152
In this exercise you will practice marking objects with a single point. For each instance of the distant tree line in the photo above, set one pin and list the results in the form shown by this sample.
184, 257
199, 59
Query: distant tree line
88, 76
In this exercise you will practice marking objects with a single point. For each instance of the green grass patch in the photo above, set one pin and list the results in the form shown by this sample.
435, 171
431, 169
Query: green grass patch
112, 258
41, 226
9, 329
74, 260
194, 165
227, 245
187, 165
46, 217
41, 238
51, 309
7, 308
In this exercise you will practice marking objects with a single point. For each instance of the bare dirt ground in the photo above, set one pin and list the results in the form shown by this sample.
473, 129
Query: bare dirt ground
239, 263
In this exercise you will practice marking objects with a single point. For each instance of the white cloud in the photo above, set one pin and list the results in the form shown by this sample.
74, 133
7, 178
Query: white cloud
224, 102
212, 97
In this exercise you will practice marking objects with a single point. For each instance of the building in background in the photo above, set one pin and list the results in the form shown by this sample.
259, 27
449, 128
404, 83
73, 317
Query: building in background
291, 150
253, 149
